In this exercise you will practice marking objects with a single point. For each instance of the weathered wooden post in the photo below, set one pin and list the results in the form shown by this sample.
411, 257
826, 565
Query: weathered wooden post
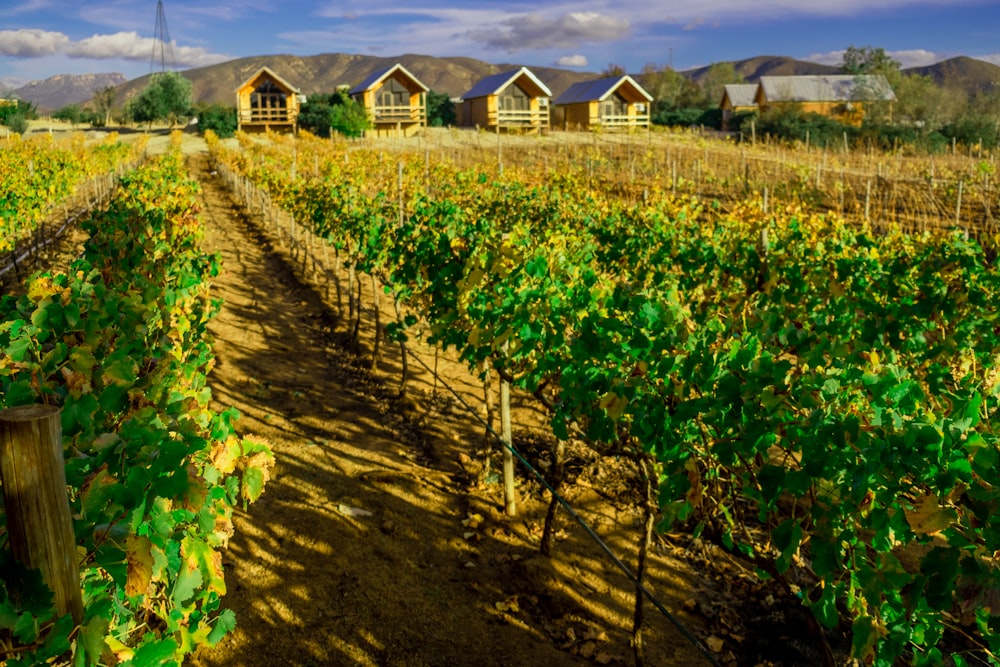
506, 432
39, 525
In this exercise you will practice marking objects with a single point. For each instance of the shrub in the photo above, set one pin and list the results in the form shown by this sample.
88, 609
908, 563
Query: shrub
17, 123
218, 118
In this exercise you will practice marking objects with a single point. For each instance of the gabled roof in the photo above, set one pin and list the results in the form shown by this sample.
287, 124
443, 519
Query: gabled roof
740, 94
496, 83
375, 79
601, 89
269, 72
826, 88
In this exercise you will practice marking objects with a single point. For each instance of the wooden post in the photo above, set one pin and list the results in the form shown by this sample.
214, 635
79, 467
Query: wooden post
868, 200
39, 525
958, 204
506, 432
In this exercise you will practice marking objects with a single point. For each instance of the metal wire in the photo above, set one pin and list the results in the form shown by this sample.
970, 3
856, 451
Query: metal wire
580, 520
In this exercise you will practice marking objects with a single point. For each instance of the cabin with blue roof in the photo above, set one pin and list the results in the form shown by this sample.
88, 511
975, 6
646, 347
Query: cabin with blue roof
514, 100
613, 103
396, 102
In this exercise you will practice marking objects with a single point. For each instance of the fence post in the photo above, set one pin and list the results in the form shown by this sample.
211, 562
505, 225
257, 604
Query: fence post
39, 525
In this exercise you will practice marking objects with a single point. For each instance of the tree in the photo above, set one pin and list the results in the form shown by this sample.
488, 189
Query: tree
25, 110
670, 89
314, 115
714, 83
104, 103
219, 119
17, 123
869, 60
440, 110
613, 69
347, 116
167, 97
70, 113
922, 104
323, 114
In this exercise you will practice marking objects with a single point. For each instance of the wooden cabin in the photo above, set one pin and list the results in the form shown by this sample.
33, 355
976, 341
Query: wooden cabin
614, 103
514, 100
265, 102
396, 101
839, 96
737, 98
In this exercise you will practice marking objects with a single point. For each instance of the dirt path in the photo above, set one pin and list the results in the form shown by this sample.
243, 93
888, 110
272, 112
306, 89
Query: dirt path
361, 552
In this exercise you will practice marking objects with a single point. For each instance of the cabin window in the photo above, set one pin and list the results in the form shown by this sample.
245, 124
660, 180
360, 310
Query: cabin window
392, 94
513, 98
267, 95
614, 106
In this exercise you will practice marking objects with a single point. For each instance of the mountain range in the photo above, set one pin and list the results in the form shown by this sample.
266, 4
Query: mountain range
454, 76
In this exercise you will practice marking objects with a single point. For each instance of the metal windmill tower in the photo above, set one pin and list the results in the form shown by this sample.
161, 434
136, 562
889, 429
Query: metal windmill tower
163, 50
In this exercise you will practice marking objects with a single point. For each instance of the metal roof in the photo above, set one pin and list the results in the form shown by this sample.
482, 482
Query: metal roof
268, 71
598, 90
377, 77
495, 83
826, 88
741, 94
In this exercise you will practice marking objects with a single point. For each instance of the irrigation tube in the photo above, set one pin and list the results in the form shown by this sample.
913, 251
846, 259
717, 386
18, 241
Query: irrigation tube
590, 531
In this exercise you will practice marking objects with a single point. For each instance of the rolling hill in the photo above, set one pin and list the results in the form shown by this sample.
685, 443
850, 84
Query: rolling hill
454, 75
963, 73
324, 72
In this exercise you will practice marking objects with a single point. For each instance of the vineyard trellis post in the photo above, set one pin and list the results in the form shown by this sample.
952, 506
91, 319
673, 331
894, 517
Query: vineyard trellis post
39, 523
506, 433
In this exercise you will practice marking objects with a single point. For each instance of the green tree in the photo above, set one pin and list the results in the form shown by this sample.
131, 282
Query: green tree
670, 89
315, 114
16, 123
869, 60
440, 110
922, 104
347, 116
24, 109
167, 98
70, 113
714, 83
219, 118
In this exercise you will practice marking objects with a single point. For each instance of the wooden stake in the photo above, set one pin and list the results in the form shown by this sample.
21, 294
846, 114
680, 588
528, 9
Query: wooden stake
510, 501
39, 524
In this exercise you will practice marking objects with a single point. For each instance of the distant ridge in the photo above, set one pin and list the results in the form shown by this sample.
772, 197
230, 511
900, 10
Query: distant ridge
452, 75
752, 69
61, 90
963, 73
324, 72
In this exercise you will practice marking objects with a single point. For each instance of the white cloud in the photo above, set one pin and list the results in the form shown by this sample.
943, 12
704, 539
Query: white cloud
130, 46
534, 31
917, 57
31, 43
572, 61
120, 45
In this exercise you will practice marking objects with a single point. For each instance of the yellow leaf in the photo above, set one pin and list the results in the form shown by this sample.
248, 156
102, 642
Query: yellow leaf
140, 565
928, 516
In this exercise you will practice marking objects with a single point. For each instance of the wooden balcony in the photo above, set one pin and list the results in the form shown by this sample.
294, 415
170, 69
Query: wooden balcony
520, 119
624, 122
250, 116
404, 115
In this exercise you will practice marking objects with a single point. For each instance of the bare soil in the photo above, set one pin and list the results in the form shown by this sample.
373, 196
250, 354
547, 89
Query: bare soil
375, 542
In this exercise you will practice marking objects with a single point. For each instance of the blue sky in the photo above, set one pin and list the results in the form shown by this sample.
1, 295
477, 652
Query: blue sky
41, 38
